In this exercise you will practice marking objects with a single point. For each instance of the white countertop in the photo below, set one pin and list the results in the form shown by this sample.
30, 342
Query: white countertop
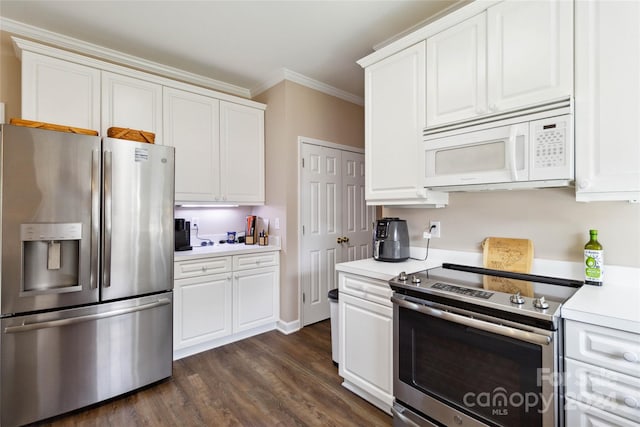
615, 304
222, 249
384, 270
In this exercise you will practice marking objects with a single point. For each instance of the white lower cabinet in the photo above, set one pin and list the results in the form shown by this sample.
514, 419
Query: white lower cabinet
219, 300
203, 309
255, 298
602, 376
366, 338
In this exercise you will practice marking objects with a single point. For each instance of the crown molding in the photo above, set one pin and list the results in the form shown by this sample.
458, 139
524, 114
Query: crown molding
110, 55
286, 74
79, 46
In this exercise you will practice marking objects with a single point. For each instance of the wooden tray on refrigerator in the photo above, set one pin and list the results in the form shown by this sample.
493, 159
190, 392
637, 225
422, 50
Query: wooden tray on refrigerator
51, 126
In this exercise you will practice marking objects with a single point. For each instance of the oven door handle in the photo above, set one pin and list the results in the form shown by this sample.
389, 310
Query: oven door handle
475, 323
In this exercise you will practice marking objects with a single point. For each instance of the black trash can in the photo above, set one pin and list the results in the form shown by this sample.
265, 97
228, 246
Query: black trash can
335, 324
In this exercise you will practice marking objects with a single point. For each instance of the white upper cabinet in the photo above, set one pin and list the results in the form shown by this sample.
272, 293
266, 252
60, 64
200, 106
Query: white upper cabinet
219, 138
394, 119
513, 55
219, 148
607, 100
129, 102
242, 153
60, 92
192, 126
457, 72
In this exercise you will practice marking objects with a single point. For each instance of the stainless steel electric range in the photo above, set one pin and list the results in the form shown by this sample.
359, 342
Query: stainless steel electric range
478, 347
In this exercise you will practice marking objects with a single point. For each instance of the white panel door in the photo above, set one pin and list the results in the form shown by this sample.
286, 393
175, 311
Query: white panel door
128, 102
241, 153
191, 124
60, 92
607, 100
457, 72
321, 209
530, 52
394, 120
357, 217
337, 223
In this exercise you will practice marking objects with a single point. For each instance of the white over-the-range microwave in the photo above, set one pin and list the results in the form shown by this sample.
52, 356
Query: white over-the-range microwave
529, 148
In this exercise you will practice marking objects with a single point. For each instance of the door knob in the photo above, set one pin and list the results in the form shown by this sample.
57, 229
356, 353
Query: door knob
339, 240
345, 239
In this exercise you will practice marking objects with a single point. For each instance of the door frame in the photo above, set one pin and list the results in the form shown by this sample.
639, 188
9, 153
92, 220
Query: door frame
312, 141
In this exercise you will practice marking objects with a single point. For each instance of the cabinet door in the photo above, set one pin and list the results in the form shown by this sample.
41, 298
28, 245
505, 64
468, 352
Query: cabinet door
530, 52
241, 153
128, 102
394, 120
255, 298
607, 100
457, 72
202, 309
191, 125
60, 92
366, 347
582, 415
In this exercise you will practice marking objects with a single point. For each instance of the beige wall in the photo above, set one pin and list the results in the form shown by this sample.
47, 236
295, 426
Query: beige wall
9, 77
294, 110
551, 218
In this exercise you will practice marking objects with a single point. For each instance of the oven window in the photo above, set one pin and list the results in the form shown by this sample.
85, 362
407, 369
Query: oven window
482, 374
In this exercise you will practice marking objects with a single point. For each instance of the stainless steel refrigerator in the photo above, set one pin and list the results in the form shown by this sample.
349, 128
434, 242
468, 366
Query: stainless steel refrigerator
86, 270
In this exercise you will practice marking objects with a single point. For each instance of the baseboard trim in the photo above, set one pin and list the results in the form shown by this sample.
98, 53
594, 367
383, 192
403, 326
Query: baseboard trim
288, 327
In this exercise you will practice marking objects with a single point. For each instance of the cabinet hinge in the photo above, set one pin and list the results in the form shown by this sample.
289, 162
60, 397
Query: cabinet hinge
303, 230
303, 298
303, 162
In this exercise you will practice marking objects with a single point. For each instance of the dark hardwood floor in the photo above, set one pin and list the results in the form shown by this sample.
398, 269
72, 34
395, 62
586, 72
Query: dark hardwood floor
267, 380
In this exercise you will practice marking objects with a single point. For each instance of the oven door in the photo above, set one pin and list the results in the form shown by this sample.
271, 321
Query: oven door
464, 370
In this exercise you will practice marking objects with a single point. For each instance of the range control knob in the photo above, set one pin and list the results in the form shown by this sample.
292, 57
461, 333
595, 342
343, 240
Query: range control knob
415, 280
540, 303
402, 276
516, 299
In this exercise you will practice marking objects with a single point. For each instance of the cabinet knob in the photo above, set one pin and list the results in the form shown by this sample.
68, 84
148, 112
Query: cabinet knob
204, 268
584, 184
493, 108
630, 356
631, 401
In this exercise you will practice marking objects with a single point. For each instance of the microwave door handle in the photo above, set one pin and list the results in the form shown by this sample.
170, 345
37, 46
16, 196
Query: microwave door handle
511, 148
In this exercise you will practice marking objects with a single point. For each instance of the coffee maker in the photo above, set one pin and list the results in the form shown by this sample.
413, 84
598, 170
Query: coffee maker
182, 235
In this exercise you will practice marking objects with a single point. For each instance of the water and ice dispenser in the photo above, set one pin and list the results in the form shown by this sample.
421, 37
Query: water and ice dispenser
50, 256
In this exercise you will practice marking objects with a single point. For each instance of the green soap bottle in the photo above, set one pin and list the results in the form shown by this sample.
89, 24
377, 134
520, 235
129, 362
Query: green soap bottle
593, 260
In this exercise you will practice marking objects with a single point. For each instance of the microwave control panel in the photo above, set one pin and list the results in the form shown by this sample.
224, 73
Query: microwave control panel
550, 139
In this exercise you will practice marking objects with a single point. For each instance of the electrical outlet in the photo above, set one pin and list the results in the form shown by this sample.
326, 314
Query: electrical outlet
434, 226
195, 222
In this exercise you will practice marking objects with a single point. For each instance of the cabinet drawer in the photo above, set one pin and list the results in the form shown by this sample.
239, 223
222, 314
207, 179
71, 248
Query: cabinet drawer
609, 348
374, 290
611, 391
200, 267
581, 415
264, 259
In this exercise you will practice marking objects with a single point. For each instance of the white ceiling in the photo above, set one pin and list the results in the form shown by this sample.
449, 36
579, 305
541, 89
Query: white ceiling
243, 43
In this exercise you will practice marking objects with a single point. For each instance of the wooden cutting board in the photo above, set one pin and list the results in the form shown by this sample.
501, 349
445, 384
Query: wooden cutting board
507, 254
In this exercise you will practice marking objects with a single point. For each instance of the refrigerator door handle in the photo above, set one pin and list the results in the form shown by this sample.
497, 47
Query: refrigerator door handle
95, 216
106, 264
87, 318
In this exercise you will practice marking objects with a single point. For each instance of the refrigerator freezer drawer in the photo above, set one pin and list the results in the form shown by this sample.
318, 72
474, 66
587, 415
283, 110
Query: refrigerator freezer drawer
56, 362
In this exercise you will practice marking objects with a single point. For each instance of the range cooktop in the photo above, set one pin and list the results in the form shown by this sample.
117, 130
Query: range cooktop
522, 294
